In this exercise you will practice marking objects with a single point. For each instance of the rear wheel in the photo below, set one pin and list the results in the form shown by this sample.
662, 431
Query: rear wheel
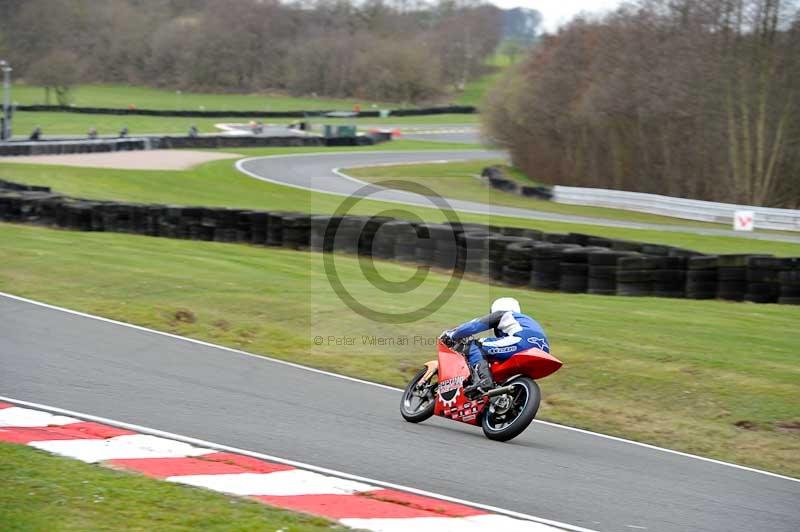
510, 414
419, 398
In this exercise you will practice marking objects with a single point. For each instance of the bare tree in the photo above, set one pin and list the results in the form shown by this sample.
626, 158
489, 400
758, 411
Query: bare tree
694, 98
57, 71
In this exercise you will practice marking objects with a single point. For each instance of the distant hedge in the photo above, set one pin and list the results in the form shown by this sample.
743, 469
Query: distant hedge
454, 109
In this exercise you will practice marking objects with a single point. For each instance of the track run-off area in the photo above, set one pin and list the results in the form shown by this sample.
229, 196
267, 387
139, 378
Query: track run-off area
117, 371
321, 172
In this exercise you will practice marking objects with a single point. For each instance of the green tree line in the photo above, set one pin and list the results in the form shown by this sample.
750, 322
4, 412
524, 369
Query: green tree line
689, 98
398, 50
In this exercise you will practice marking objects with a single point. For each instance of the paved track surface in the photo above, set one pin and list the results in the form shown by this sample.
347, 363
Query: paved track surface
315, 172
105, 369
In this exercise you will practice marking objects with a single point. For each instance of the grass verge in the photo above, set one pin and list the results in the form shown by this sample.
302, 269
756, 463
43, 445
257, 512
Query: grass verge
713, 378
46, 492
121, 96
220, 184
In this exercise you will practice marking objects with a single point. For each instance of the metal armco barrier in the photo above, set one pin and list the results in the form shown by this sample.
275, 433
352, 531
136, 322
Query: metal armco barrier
705, 211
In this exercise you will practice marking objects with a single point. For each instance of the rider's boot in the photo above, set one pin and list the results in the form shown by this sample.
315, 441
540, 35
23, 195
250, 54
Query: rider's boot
481, 378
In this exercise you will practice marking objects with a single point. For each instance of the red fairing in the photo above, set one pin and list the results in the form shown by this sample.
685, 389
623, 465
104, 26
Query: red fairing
534, 363
450, 400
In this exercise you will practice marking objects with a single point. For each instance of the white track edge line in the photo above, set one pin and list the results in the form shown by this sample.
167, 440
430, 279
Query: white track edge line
385, 386
293, 463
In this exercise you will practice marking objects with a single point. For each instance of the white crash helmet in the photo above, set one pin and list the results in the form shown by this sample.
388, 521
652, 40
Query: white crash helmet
506, 304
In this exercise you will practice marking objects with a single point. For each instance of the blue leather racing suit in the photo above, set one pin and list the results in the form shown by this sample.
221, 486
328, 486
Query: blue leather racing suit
514, 332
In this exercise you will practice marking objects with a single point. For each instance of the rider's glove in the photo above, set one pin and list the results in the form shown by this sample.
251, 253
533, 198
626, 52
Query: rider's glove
446, 339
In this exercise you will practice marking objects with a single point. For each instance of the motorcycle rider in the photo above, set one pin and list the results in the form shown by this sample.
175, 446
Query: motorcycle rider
513, 332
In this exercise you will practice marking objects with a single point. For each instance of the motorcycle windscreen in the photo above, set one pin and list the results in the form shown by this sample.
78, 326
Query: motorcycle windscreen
534, 363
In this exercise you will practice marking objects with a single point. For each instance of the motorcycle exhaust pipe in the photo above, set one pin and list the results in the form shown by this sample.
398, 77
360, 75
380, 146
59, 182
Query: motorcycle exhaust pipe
498, 391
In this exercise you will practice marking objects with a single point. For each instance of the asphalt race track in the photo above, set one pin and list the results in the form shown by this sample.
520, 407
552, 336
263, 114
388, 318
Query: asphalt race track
315, 172
105, 369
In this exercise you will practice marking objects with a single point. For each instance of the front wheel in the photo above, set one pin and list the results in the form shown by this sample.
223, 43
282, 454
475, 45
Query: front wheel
419, 399
510, 414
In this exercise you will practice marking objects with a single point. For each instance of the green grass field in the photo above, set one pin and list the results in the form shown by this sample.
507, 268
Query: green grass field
475, 90
121, 96
459, 180
45, 492
676, 373
220, 184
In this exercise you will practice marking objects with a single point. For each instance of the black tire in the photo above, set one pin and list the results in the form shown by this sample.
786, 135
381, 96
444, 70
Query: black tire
789, 278
626, 245
701, 276
709, 262
634, 276
573, 284
634, 289
602, 291
701, 287
732, 274
669, 276
735, 260
789, 290
701, 295
603, 272
524, 416
574, 268
655, 249
637, 263
422, 411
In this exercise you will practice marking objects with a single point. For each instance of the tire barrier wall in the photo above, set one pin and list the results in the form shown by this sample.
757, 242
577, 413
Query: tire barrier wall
572, 263
498, 180
58, 147
453, 109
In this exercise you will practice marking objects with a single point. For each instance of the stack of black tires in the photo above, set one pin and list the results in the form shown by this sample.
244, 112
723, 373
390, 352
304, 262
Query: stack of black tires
763, 283
602, 272
669, 277
474, 251
732, 276
546, 265
517, 264
701, 277
635, 275
406, 237
574, 269
789, 280
496, 246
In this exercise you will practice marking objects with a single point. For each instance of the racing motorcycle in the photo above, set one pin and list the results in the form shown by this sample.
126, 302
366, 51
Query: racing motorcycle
503, 412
